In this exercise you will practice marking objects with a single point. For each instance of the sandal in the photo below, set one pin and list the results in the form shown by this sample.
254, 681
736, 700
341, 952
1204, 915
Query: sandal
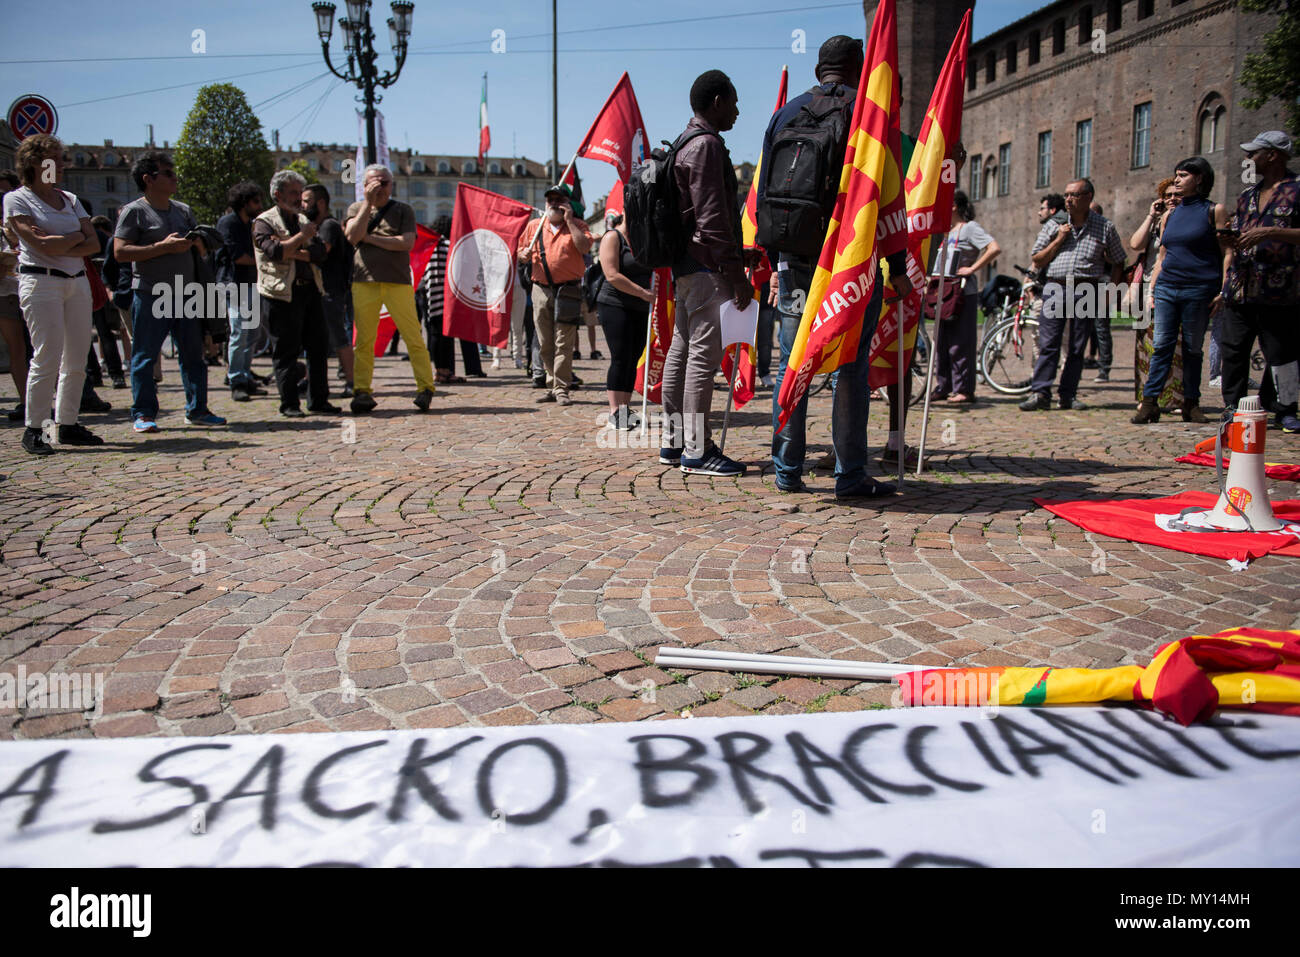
443, 378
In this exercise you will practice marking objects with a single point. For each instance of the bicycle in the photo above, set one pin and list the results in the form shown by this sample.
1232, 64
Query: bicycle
1010, 347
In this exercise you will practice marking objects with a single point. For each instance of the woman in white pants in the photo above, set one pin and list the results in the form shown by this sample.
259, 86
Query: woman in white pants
54, 232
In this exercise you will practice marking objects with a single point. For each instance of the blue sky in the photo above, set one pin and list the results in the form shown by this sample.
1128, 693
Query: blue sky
434, 105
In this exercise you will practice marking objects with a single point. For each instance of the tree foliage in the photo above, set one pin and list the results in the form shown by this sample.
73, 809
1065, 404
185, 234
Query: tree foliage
300, 167
220, 145
1274, 71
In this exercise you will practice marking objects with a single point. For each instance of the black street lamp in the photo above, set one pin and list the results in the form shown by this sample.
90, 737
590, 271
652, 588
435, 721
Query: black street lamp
359, 48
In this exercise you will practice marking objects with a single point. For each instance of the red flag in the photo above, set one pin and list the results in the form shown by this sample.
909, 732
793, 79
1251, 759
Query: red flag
869, 221
617, 136
614, 203
426, 241
651, 365
930, 183
485, 231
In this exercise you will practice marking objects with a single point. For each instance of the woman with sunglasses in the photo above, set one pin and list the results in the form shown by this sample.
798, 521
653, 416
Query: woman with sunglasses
54, 233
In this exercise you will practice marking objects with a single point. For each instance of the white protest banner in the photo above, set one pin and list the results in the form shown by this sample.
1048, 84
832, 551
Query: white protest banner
916, 787
737, 324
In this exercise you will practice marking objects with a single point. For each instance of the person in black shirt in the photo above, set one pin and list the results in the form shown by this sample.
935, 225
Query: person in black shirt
235, 264
336, 273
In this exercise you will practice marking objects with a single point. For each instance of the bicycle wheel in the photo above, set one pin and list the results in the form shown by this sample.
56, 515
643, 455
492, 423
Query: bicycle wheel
1008, 357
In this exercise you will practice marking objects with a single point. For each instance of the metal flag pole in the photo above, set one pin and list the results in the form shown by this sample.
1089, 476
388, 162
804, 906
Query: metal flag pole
901, 416
731, 391
645, 376
934, 348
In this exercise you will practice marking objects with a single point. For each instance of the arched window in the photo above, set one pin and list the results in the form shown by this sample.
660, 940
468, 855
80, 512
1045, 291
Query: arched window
519, 169
417, 166
494, 169
110, 159
444, 189
470, 168
81, 159
1211, 125
444, 166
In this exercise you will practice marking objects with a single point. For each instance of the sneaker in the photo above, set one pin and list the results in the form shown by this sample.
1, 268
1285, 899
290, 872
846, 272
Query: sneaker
1071, 405
1090, 364
145, 425
574, 382
34, 442
1290, 424
423, 398
78, 435
119, 382
1102, 377
868, 489
624, 420
204, 418
327, 409
596, 354
18, 413
240, 394
1216, 382
93, 403
255, 389
363, 402
548, 397
293, 412
670, 456
713, 463
792, 489
767, 381
1037, 401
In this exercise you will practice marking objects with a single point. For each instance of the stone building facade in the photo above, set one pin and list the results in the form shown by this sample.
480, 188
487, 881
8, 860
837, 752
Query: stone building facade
102, 175
1117, 90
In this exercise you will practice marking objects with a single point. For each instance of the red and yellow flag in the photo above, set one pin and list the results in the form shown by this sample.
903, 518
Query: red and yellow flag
650, 367
869, 221
742, 374
930, 182
1188, 680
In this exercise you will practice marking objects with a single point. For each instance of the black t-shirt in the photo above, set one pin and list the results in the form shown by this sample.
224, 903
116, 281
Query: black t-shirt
336, 270
634, 271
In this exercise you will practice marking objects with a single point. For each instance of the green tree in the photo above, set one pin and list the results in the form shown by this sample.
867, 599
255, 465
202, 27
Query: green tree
220, 145
1274, 71
300, 167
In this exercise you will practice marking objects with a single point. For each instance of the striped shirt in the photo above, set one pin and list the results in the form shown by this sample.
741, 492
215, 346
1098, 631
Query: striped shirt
431, 285
1086, 251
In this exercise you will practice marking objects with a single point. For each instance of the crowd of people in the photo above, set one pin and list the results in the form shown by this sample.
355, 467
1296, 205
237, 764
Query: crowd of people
1231, 269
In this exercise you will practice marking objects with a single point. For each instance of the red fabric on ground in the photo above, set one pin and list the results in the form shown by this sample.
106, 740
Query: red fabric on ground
1133, 520
1277, 471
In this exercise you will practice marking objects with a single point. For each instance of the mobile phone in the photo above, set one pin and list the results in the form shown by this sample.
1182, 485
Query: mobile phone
1160, 207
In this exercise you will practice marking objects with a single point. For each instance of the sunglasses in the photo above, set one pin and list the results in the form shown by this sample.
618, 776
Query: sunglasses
169, 173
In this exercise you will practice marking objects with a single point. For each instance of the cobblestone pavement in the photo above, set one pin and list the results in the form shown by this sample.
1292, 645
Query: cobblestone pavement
490, 563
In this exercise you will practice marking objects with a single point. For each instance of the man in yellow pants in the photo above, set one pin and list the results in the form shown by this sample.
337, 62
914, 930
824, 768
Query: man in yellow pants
383, 232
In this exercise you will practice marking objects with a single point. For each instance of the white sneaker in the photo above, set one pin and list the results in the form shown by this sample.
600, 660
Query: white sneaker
1216, 382
767, 381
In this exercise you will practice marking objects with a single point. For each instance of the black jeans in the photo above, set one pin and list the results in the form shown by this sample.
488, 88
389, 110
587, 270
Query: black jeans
107, 344
297, 325
1279, 340
625, 333
1056, 314
955, 340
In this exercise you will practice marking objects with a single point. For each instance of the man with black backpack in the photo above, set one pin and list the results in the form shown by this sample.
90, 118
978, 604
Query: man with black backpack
803, 157
709, 271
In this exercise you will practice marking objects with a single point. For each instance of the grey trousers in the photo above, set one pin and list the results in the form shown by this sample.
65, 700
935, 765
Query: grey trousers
692, 359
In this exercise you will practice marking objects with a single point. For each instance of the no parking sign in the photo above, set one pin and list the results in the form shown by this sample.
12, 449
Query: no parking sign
31, 114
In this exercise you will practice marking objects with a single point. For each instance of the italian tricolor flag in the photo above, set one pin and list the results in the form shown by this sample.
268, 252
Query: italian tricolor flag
484, 133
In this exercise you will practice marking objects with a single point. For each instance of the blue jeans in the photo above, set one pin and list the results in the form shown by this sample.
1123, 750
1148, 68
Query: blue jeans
766, 326
241, 345
851, 399
1184, 309
149, 333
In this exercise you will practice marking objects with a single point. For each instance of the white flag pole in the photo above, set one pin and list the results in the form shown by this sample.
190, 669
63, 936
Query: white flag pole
934, 348
645, 376
731, 391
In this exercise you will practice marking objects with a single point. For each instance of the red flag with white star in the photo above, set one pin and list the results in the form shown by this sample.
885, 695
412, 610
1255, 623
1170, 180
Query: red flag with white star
485, 231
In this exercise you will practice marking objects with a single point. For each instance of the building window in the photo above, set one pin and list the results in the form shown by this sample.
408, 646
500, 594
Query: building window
110, 159
1114, 14
421, 213
111, 213
519, 169
1141, 135
976, 178
990, 67
1083, 149
1212, 128
81, 159
520, 192
1043, 178
970, 78
1035, 41
444, 209
1085, 26
444, 166
338, 166
1146, 8
313, 163
110, 184
1011, 57
340, 212
470, 168
1004, 169
417, 189
1058, 36
444, 189
417, 166
494, 169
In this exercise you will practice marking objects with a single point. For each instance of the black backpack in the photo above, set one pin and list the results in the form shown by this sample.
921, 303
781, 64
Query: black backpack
651, 208
801, 176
